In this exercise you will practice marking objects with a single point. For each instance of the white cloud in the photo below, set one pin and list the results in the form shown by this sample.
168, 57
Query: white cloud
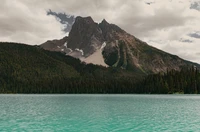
20, 23
162, 23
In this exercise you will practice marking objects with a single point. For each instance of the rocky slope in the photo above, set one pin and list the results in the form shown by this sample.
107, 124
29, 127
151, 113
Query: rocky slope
56, 45
93, 42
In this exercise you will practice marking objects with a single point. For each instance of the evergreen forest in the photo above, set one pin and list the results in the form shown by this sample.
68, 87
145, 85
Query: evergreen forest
31, 69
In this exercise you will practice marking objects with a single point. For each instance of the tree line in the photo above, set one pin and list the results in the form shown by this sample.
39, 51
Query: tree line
30, 69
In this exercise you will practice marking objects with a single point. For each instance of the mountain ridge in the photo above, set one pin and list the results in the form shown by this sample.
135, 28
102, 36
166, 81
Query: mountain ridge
121, 48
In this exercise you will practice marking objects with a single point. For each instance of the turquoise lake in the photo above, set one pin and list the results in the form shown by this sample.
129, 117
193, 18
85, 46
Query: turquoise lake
99, 113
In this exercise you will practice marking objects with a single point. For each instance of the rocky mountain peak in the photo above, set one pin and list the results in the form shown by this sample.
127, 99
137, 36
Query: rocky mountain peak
85, 35
104, 23
111, 32
85, 20
108, 44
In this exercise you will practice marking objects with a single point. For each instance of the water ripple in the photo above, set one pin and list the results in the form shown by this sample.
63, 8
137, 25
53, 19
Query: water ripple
99, 113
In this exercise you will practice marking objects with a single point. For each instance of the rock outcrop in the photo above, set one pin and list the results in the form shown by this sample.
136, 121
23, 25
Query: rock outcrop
117, 48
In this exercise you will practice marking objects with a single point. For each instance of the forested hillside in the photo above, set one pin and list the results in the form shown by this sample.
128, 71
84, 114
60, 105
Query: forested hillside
31, 69
185, 81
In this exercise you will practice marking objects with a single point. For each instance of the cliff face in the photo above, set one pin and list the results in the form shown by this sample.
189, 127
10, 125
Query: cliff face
118, 48
85, 35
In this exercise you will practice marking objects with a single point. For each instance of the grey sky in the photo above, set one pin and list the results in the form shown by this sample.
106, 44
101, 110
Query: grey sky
170, 25
195, 35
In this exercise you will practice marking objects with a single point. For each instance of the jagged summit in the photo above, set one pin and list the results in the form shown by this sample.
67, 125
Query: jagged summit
87, 20
85, 35
108, 44
105, 26
111, 32
104, 22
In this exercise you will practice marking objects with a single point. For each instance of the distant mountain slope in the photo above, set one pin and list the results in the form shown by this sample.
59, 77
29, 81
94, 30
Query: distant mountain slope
56, 45
120, 49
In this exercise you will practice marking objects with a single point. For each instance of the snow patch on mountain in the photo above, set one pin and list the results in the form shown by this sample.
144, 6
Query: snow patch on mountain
80, 50
96, 57
103, 45
65, 44
68, 49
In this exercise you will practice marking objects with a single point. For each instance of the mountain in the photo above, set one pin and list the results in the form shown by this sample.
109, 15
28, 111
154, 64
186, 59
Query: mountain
108, 45
85, 35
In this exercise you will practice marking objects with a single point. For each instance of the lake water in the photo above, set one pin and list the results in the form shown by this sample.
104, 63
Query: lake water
99, 113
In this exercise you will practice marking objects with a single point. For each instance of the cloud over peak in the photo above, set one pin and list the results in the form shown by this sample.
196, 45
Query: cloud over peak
171, 25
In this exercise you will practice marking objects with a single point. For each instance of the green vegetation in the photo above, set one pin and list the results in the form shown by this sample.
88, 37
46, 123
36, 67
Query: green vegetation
185, 81
30, 69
